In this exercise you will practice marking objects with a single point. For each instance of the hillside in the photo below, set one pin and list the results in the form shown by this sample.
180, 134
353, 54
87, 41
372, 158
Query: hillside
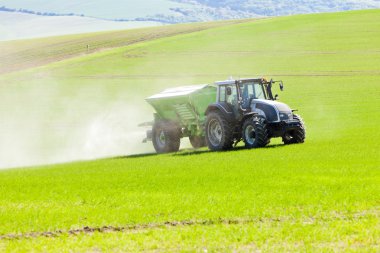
22, 19
180, 11
285, 7
15, 25
98, 8
320, 196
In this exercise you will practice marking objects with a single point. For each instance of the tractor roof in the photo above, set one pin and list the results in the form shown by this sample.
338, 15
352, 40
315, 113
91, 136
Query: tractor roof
233, 81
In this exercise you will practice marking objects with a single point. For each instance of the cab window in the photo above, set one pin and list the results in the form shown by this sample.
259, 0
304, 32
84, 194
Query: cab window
222, 93
231, 98
252, 90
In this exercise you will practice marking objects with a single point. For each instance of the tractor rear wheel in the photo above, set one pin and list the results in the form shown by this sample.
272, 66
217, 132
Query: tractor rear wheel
219, 135
166, 137
197, 141
255, 132
297, 135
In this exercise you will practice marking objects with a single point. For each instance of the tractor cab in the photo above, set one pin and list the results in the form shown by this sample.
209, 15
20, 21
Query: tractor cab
240, 93
240, 97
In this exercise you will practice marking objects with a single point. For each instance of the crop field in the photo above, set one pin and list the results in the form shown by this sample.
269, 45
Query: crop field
320, 196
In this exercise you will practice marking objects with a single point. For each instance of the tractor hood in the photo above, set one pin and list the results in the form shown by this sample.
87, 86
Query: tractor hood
281, 107
273, 111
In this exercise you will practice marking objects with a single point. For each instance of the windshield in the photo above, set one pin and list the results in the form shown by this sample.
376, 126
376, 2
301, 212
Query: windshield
252, 90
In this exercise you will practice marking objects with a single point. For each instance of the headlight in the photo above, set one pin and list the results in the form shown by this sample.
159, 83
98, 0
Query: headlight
286, 116
283, 116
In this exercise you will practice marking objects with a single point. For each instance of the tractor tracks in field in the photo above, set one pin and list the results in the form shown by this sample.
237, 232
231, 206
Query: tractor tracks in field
335, 216
343, 73
133, 53
262, 52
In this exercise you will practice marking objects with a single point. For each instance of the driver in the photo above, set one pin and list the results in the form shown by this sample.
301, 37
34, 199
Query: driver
231, 97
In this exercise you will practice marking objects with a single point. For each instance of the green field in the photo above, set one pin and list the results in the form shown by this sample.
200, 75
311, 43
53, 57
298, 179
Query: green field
322, 195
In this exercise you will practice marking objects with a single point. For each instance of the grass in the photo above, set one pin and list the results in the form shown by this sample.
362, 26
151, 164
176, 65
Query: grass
294, 202
159, 189
318, 196
307, 235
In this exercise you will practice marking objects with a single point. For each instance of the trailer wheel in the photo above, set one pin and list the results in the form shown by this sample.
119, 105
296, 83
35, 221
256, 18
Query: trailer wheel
166, 137
218, 132
297, 135
197, 141
255, 132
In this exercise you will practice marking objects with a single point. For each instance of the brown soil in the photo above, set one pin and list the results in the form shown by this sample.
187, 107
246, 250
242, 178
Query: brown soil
168, 224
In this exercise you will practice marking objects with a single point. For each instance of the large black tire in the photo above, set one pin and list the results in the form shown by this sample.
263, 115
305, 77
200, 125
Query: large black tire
219, 133
297, 135
166, 137
255, 132
197, 141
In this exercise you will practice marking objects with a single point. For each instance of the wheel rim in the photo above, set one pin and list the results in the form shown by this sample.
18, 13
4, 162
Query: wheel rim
215, 132
161, 139
250, 134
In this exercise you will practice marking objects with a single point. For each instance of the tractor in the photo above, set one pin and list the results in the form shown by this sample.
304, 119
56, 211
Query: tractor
221, 115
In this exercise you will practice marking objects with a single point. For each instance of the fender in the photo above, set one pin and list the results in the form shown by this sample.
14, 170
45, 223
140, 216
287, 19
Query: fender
248, 115
224, 108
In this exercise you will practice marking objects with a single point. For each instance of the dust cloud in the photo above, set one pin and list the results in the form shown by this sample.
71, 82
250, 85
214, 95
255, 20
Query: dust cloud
47, 123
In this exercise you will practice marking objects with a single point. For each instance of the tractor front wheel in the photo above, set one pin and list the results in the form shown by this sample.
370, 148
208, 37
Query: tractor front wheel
255, 133
297, 135
166, 137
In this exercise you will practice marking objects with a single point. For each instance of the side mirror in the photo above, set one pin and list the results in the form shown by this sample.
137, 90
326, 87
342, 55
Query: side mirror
276, 97
229, 91
281, 86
